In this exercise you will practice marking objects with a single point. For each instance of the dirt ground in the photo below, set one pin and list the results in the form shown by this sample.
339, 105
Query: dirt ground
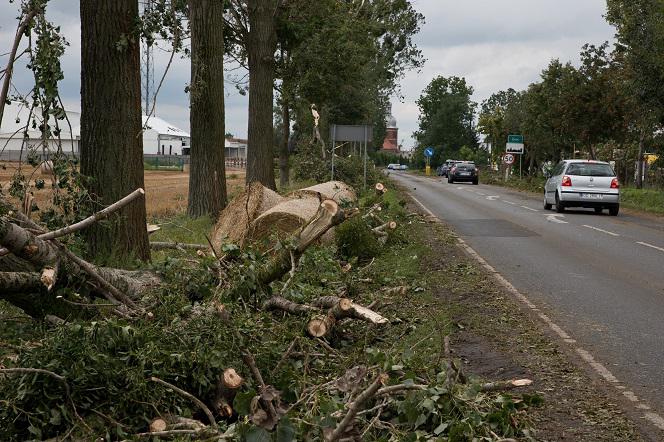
498, 340
166, 191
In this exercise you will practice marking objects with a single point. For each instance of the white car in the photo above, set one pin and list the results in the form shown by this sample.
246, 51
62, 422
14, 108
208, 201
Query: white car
583, 183
403, 167
393, 167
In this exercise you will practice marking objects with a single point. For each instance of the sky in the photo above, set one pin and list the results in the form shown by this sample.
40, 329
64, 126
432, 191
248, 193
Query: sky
494, 44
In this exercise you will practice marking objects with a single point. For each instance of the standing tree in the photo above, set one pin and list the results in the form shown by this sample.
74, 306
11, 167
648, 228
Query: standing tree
207, 179
261, 46
641, 39
111, 142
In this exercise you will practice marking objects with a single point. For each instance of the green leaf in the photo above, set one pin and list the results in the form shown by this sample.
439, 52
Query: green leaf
258, 434
242, 402
285, 430
440, 428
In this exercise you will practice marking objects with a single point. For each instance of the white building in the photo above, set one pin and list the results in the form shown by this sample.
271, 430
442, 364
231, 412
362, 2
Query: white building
162, 138
17, 116
235, 149
159, 136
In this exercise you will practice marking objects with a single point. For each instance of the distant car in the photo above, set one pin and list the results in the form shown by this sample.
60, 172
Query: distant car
582, 183
464, 171
392, 166
445, 168
403, 167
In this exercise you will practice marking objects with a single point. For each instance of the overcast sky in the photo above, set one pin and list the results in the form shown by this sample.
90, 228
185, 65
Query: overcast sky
495, 44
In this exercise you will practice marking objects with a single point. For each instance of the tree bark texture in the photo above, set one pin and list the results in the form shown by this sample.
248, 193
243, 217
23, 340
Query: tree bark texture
207, 179
111, 140
284, 170
261, 46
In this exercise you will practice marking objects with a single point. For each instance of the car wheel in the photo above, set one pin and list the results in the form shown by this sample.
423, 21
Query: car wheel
613, 210
547, 206
560, 208
598, 210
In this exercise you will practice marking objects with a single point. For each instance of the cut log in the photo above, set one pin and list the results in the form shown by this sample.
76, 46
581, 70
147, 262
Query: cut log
284, 218
235, 219
350, 309
331, 190
227, 386
158, 425
279, 303
380, 189
320, 326
329, 215
505, 385
387, 226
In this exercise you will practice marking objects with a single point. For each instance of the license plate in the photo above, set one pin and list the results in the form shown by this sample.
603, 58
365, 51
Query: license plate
592, 196
464, 173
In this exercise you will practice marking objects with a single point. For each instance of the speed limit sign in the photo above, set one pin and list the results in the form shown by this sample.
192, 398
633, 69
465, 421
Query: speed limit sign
508, 158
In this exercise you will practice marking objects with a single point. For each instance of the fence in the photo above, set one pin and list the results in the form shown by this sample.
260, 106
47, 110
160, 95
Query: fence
164, 162
237, 163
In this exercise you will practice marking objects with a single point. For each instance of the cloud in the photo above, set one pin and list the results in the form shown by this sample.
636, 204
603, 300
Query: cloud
495, 44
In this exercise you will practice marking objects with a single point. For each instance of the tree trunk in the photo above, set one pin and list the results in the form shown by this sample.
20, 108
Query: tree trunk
639, 159
284, 170
261, 45
207, 179
111, 141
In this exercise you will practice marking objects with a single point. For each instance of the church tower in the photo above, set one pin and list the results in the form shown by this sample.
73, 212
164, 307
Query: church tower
391, 142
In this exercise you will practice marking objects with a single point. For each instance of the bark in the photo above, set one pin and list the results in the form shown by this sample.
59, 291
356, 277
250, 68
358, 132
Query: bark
227, 387
111, 142
345, 308
207, 179
261, 46
279, 303
284, 169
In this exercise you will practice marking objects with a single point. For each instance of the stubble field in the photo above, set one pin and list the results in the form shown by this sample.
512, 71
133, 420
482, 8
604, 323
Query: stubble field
166, 191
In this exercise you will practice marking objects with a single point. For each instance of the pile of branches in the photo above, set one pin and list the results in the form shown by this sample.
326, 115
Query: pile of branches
195, 348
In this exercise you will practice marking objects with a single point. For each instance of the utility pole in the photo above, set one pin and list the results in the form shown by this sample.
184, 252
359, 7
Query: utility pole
147, 65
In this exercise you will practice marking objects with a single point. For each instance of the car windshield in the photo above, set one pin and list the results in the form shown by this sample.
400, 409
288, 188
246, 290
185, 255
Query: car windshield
590, 169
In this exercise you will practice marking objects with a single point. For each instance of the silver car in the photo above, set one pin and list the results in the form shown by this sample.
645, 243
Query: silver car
583, 183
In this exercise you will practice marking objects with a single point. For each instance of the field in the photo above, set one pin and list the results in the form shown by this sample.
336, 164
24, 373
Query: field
166, 191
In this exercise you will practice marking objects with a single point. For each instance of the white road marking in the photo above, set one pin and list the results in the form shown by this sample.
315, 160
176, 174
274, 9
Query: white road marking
531, 209
654, 418
555, 219
651, 246
601, 230
480, 193
492, 197
460, 188
510, 202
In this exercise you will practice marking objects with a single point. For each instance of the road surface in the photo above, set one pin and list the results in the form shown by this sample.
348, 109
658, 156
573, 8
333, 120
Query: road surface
600, 278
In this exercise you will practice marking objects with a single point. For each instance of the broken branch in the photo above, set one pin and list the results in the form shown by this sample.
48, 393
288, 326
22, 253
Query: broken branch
191, 397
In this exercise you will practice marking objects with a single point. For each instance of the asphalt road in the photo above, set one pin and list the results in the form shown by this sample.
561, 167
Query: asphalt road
600, 278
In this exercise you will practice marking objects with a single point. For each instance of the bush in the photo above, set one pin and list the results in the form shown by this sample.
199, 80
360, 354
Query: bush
356, 240
308, 165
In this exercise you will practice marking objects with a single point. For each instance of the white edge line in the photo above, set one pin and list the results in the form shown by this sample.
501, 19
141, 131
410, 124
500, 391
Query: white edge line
654, 418
530, 208
601, 230
651, 246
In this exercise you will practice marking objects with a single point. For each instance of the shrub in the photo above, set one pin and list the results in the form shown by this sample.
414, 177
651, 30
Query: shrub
355, 240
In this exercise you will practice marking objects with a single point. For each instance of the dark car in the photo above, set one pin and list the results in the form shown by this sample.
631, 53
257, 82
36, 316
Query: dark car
464, 172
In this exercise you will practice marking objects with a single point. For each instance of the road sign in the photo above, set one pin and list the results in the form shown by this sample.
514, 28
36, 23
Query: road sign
508, 158
515, 144
428, 152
